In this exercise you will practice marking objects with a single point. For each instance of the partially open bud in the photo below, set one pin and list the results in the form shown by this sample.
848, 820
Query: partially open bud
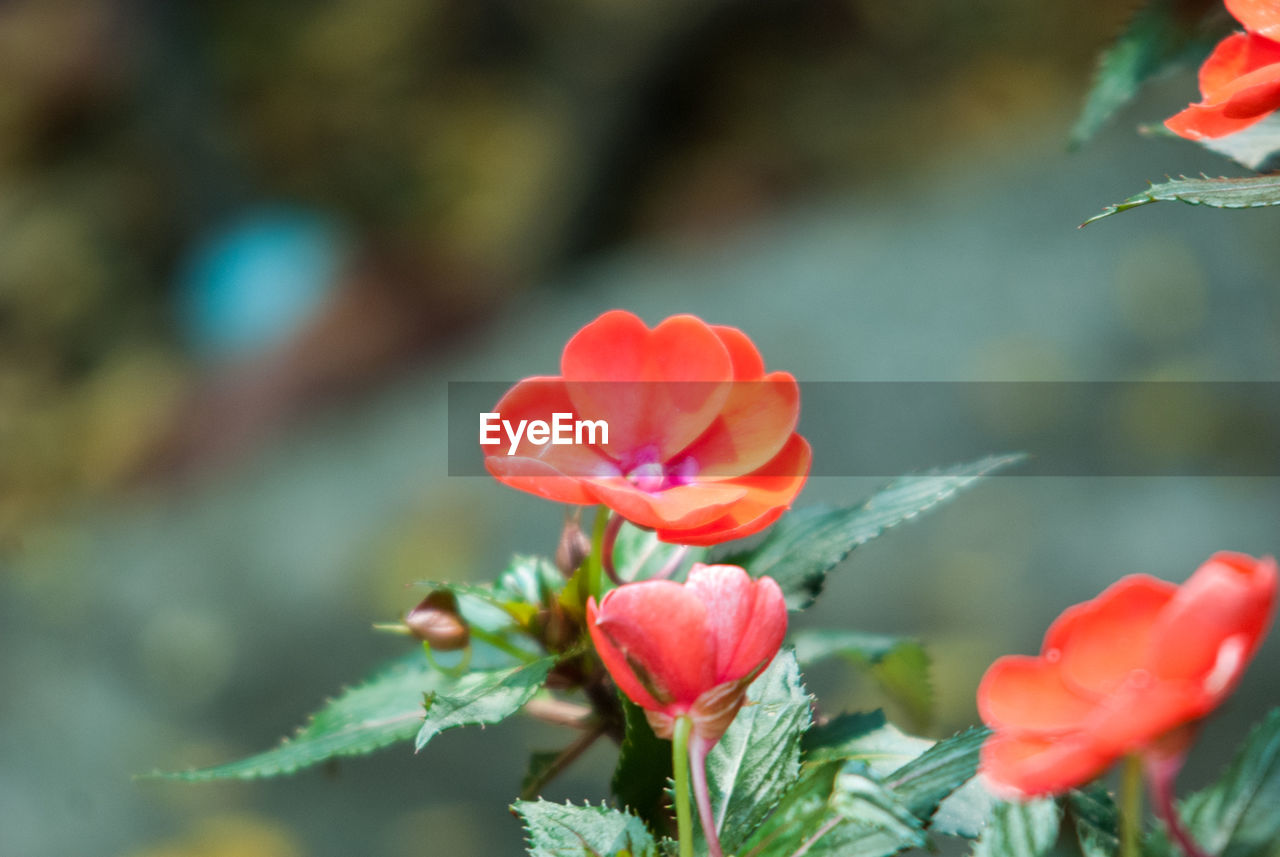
574, 545
437, 622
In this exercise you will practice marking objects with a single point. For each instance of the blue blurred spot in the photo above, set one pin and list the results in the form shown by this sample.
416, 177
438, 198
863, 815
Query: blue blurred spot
257, 281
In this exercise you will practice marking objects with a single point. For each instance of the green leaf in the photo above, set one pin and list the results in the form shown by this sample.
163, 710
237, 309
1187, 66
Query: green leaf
965, 811
926, 780
755, 761
1093, 815
805, 545
864, 737
481, 698
836, 808
1020, 829
638, 555
644, 767
899, 664
561, 830
1161, 36
1236, 816
382, 711
1249, 192
526, 585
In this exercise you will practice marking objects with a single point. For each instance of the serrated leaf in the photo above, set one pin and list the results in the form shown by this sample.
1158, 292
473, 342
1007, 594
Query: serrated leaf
560, 830
482, 698
1093, 815
863, 737
899, 665
1236, 816
835, 808
644, 767
1248, 192
1162, 35
385, 709
926, 780
965, 811
806, 544
757, 759
1020, 829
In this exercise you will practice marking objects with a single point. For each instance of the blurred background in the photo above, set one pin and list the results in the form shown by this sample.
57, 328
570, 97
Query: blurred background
244, 246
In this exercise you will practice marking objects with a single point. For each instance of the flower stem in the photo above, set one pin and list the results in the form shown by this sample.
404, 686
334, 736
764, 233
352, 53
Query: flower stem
698, 749
680, 767
606, 547
1161, 773
593, 569
1131, 808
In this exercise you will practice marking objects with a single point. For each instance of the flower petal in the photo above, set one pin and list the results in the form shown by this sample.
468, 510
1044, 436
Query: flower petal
756, 422
746, 618
689, 505
1260, 16
1100, 642
657, 389
1025, 694
1024, 766
548, 470
616, 662
660, 628
748, 365
767, 497
1240, 84
1233, 58
1211, 628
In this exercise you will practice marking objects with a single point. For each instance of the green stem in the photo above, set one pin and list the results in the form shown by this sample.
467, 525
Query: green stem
595, 563
1131, 808
680, 766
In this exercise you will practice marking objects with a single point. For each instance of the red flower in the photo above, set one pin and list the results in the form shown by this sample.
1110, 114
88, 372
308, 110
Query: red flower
1240, 81
1123, 674
701, 441
689, 649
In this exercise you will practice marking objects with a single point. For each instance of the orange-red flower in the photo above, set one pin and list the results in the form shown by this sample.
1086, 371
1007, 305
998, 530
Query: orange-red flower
1131, 671
689, 649
701, 441
1240, 81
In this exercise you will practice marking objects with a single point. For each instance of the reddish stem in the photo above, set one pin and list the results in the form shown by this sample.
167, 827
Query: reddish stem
699, 747
1162, 771
606, 547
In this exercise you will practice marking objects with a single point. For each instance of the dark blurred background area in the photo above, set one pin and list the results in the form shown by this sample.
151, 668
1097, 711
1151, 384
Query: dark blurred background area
244, 246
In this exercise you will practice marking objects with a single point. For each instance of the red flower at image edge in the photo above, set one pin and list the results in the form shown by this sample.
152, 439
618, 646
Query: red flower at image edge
702, 445
1123, 674
689, 649
1240, 81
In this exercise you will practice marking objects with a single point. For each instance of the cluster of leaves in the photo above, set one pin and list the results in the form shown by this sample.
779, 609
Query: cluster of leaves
1165, 36
782, 782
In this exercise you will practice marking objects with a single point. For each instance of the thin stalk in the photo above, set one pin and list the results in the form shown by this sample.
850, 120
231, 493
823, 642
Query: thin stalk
594, 564
680, 767
673, 563
1161, 773
566, 758
606, 547
698, 749
1131, 808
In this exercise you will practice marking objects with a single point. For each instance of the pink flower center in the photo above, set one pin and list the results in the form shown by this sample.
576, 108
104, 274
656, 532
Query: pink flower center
649, 474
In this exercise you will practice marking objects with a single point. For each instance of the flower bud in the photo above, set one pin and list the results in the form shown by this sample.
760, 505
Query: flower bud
437, 622
574, 546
